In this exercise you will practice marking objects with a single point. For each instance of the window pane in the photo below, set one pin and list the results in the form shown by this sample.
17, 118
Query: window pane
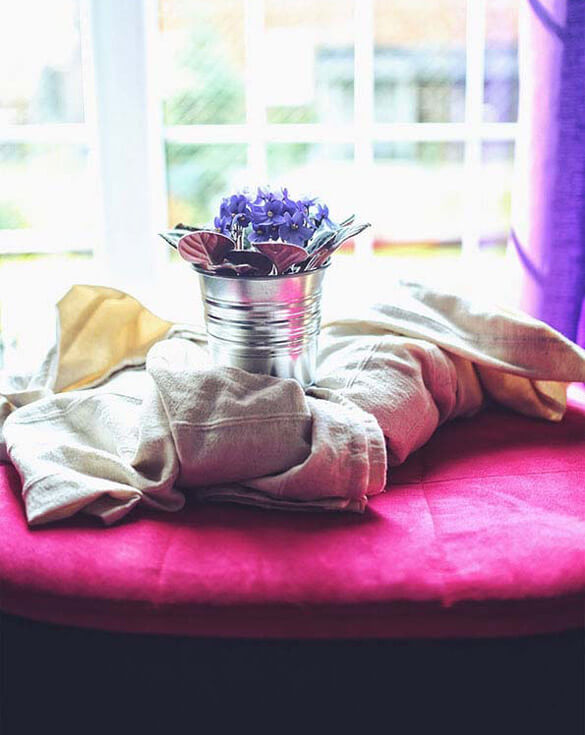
416, 194
47, 187
203, 57
419, 60
40, 58
496, 191
309, 45
501, 62
198, 176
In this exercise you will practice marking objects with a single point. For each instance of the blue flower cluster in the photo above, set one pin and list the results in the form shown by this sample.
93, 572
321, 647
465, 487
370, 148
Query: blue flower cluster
273, 215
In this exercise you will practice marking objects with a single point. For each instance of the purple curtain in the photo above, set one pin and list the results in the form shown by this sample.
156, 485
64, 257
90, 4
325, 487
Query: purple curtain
548, 234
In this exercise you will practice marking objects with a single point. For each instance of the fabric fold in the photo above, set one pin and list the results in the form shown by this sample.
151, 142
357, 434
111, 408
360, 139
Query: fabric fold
161, 423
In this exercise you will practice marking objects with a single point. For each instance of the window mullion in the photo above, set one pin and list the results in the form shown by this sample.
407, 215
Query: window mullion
255, 100
327, 133
364, 43
474, 81
129, 140
44, 133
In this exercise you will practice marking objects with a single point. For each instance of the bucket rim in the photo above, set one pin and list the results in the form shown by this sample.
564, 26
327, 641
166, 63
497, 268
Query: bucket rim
282, 276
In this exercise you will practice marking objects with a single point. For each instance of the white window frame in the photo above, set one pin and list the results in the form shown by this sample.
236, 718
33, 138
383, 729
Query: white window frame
125, 135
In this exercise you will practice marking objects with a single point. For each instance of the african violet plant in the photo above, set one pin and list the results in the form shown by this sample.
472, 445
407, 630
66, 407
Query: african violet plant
265, 234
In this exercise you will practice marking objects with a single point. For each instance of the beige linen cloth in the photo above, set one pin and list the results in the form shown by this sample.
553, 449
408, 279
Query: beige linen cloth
126, 408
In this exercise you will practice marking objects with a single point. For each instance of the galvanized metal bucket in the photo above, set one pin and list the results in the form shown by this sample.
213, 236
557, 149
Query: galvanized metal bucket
266, 324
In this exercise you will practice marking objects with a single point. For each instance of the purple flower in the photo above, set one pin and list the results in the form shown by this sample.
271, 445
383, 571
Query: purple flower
289, 205
223, 224
234, 214
224, 208
259, 234
295, 229
268, 214
322, 215
239, 207
272, 214
262, 195
305, 204
308, 201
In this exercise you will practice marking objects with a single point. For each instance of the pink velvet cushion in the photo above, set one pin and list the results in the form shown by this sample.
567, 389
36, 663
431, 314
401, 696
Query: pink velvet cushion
481, 533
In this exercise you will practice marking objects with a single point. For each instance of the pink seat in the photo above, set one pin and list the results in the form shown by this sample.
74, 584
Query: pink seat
482, 533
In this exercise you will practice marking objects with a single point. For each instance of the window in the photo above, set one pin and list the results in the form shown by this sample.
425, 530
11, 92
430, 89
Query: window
119, 118
45, 156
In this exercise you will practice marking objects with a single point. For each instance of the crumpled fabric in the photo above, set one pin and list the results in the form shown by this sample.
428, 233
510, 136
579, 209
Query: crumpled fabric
162, 422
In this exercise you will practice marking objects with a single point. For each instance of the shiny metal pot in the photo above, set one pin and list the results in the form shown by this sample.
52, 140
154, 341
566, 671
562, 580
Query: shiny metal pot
266, 324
